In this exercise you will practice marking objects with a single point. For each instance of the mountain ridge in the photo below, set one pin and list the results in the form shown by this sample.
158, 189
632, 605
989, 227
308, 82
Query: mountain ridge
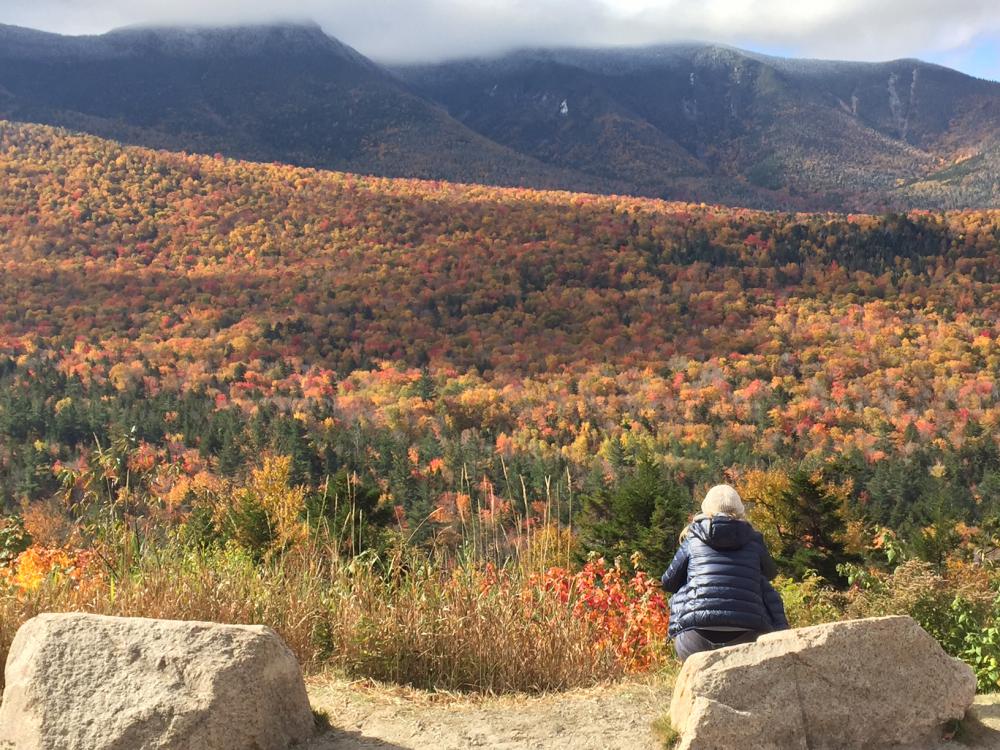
284, 93
687, 121
876, 125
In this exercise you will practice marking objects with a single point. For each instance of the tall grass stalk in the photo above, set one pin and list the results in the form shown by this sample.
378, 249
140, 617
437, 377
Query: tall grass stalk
406, 619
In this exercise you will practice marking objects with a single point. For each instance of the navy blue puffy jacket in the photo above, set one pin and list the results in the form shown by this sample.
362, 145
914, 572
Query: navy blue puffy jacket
775, 607
719, 576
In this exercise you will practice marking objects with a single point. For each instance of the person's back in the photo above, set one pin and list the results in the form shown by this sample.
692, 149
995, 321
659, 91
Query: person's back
720, 578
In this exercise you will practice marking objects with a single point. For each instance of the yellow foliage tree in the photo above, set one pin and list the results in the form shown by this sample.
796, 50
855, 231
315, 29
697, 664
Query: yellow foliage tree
266, 515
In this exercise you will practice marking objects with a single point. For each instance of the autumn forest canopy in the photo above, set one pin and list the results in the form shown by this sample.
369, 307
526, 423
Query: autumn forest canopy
166, 320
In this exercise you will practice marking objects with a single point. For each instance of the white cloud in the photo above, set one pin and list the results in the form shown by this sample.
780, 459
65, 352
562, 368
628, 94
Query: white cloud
406, 30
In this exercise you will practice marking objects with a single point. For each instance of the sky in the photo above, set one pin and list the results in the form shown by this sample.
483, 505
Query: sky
963, 34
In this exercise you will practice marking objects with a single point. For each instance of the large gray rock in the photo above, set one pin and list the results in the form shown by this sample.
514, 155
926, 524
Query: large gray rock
87, 682
864, 684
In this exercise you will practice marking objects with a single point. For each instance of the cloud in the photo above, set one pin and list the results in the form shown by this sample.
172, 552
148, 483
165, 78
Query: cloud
414, 30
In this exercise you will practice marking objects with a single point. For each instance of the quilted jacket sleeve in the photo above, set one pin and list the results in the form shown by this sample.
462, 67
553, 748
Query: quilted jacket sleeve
775, 607
676, 575
767, 565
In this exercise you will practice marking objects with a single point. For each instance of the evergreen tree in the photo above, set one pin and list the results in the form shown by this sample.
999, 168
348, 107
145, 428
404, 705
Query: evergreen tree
812, 529
643, 512
935, 542
352, 510
425, 386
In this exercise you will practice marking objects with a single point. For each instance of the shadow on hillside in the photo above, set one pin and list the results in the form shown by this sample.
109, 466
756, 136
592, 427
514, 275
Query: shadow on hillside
983, 723
341, 739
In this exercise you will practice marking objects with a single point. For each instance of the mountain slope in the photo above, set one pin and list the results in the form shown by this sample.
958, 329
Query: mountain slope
728, 123
273, 93
713, 333
690, 122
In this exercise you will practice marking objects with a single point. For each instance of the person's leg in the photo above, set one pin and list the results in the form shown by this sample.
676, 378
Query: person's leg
748, 637
691, 642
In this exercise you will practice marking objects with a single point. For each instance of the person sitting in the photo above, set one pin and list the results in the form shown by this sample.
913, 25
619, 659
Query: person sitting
720, 579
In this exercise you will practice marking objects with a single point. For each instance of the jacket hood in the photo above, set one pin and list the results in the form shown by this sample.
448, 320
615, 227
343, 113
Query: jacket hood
722, 532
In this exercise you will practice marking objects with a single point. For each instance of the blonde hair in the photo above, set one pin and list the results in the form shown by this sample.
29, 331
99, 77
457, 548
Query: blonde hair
720, 500
687, 529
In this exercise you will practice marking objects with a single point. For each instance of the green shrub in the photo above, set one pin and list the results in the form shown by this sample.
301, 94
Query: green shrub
959, 607
809, 601
976, 641
14, 538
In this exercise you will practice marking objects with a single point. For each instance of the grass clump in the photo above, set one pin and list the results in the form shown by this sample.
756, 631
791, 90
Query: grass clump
406, 619
664, 732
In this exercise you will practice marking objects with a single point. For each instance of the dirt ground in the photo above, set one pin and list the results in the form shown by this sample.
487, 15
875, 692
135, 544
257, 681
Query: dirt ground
367, 717
620, 717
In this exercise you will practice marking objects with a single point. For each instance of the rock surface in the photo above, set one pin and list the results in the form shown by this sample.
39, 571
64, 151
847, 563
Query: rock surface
88, 682
875, 684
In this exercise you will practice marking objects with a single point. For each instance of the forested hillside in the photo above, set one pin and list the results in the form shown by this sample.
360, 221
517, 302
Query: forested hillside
286, 93
178, 316
729, 126
688, 122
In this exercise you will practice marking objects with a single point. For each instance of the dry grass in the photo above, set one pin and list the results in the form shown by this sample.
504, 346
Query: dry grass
173, 584
408, 622
459, 633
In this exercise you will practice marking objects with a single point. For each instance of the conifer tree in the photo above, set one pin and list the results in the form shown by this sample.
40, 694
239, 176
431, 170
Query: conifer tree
811, 536
643, 512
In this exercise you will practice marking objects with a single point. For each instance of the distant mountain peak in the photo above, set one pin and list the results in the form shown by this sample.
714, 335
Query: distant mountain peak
625, 59
183, 41
690, 120
303, 25
227, 41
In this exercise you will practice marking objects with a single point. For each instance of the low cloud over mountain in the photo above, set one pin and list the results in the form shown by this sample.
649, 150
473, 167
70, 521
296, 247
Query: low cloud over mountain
693, 122
426, 30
